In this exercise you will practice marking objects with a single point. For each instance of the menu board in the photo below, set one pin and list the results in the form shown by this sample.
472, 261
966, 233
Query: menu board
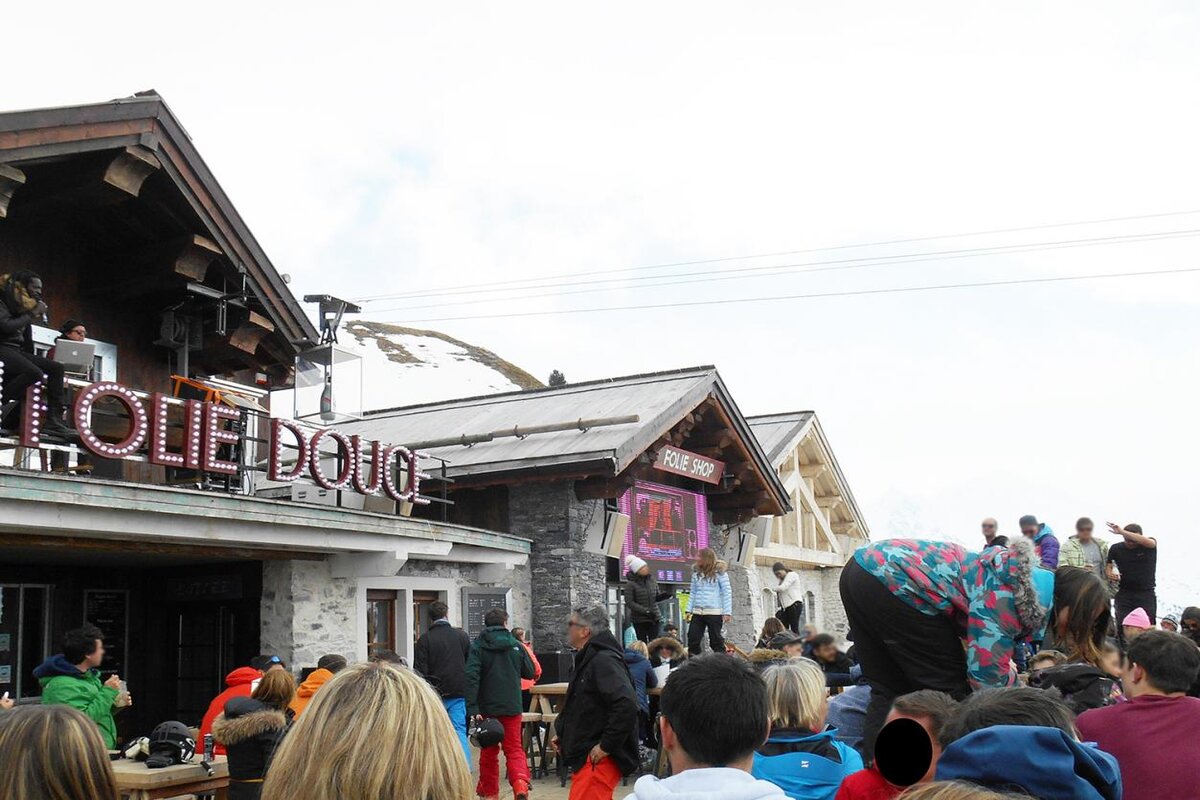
108, 610
476, 603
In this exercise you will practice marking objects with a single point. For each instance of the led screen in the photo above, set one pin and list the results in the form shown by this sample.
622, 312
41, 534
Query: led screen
667, 527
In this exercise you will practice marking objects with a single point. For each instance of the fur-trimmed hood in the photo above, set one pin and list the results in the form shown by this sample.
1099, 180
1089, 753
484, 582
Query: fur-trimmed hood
762, 656
245, 718
1030, 593
677, 649
16, 293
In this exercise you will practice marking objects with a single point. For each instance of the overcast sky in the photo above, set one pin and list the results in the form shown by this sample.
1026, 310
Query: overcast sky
380, 148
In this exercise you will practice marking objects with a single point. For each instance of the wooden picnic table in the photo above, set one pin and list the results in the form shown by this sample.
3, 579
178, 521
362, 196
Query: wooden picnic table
547, 698
137, 782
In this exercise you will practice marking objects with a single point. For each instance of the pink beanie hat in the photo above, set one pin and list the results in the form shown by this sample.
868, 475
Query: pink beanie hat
1138, 618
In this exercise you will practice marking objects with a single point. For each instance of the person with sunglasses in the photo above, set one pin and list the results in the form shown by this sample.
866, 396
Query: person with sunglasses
990, 537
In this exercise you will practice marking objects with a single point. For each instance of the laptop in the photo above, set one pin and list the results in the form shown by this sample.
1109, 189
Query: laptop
75, 356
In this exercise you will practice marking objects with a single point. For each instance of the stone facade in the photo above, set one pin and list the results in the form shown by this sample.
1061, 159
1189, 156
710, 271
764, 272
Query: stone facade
822, 600
306, 612
563, 575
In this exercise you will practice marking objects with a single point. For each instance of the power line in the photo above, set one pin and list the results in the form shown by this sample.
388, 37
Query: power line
814, 295
436, 290
775, 270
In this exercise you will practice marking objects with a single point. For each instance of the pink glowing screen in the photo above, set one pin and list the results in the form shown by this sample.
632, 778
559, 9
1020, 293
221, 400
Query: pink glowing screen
667, 528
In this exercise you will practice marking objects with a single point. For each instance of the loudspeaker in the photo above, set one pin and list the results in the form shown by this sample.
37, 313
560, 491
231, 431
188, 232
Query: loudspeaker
614, 534
747, 542
606, 537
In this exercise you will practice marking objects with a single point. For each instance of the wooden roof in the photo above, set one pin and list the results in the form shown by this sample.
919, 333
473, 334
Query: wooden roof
688, 408
128, 143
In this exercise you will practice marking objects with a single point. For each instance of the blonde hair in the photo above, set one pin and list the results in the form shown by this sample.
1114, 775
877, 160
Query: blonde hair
706, 563
955, 790
640, 647
796, 695
335, 750
53, 752
276, 689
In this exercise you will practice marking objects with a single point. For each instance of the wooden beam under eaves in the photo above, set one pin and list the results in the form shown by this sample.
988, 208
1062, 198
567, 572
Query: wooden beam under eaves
130, 169
11, 179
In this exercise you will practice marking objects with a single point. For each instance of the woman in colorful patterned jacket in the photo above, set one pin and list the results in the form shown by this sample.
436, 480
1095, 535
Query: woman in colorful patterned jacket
931, 615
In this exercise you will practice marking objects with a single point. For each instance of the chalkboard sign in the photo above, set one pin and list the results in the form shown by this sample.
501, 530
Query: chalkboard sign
476, 603
108, 610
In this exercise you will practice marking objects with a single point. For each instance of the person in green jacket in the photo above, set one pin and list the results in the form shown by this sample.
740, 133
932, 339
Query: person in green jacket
496, 664
72, 678
1083, 549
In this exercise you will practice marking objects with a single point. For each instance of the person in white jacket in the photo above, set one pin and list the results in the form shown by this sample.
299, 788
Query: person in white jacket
714, 715
789, 596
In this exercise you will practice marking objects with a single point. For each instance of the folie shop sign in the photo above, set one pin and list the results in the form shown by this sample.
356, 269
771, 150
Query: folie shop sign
689, 464
210, 436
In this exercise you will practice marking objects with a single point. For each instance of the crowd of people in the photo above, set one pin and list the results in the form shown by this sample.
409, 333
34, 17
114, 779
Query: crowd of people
973, 675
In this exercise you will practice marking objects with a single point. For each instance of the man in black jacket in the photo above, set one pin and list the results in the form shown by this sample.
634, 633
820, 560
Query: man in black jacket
642, 597
597, 729
21, 305
441, 658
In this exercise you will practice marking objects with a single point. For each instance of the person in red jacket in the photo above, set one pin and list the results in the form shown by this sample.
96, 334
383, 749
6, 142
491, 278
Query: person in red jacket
527, 683
241, 683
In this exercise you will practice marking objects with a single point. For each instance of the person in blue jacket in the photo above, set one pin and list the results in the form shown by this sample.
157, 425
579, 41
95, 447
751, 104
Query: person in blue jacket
802, 756
711, 604
637, 658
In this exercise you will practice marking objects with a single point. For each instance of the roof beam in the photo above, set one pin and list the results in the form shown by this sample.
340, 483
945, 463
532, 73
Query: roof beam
11, 179
805, 495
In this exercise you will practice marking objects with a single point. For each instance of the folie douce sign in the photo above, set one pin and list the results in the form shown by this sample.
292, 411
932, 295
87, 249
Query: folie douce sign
207, 428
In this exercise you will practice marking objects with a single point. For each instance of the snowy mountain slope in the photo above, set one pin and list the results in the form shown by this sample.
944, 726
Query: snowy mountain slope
406, 366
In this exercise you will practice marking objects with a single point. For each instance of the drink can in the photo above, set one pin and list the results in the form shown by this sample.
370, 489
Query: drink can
208, 747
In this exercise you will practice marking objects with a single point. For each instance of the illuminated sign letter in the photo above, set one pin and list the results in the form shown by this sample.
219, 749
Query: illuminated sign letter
342, 453
215, 436
275, 470
139, 420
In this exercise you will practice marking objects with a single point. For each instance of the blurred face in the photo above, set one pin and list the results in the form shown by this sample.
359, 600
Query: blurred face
781, 574
76, 334
577, 633
644, 571
1131, 632
794, 649
97, 657
34, 287
810, 631
1084, 532
1029, 530
927, 724
1169, 625
826, 652
988, 526
1191, 627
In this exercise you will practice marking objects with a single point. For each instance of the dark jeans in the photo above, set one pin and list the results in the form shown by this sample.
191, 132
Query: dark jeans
696, 628
22, 370
790, 616
646, 631
1127, 600
899, 648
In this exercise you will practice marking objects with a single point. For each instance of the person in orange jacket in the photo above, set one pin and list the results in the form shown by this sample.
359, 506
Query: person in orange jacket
327, 667
241, 683
527, 683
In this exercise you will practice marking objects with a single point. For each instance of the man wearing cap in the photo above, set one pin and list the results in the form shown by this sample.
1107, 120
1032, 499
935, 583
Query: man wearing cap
1169, 623
789, 643
642, 596
1043, 540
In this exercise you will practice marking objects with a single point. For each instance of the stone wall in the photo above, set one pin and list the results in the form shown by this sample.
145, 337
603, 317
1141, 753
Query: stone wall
306, 612
822, 604
562, 574
466, 575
